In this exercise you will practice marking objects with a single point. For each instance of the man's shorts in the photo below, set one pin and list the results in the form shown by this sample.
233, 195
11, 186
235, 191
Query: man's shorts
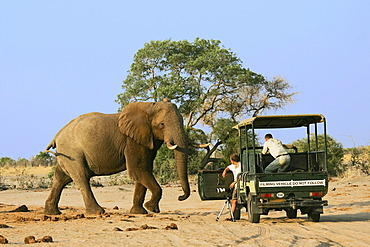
234, 195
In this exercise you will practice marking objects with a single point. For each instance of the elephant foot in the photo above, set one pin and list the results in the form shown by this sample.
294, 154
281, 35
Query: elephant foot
54, 211
95, 210
152, 207
138, 210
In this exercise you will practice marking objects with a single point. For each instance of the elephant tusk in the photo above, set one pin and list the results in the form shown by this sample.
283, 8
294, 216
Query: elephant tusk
170, 146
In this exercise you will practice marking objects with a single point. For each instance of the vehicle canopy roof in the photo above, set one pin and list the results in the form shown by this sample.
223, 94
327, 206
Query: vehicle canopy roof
280, 121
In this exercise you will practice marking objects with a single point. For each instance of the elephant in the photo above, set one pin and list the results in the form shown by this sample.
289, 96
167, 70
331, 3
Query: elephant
96, 144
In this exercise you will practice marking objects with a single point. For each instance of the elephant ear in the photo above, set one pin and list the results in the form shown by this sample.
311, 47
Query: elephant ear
134, 122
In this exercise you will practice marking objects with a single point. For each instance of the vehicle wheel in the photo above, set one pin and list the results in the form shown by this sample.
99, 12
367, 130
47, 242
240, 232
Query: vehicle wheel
253, 217
314, 217
291, 213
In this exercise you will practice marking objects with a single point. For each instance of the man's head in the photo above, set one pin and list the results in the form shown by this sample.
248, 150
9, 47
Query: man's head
268, 136
234, 158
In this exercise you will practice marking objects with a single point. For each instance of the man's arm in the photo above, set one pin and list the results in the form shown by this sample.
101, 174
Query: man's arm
225, 171
265, 148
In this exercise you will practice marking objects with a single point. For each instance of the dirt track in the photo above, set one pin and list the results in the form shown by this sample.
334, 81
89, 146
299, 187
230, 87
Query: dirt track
345, 222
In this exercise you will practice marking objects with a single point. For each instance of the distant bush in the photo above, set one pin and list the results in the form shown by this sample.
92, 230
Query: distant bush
26, 181
335, 151
6, 161
121, 178
357, 161
41, 159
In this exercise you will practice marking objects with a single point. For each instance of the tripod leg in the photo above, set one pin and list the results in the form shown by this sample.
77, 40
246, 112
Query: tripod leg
231, 212
219, 215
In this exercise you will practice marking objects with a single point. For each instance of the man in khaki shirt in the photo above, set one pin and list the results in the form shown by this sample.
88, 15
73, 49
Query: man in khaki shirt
277, 150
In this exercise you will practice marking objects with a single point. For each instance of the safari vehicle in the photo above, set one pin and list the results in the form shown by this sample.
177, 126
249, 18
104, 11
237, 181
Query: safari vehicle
301, 186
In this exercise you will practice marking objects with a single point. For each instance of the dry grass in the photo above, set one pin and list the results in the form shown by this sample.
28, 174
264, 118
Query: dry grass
13, 171
353, 172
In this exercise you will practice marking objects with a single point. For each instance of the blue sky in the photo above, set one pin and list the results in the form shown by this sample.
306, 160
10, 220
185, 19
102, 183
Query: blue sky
61, 59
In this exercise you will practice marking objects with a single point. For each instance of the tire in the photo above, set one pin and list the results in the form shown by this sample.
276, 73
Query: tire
253, 217
291, 213
314, 217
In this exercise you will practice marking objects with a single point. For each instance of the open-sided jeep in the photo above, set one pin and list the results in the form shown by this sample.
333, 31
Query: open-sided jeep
300, 187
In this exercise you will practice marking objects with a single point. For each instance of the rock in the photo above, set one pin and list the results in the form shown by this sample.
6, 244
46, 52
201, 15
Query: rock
116, 208
65, 218
146, 227
45, 218
22, 208
56, 218
131, 229
3, 240
172, 226
21, 219
117, 229
47, 239
79, 216
4, 226
30, 240
128, 216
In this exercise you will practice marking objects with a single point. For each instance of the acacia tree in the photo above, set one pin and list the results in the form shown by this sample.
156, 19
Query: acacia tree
203, 78
206, 81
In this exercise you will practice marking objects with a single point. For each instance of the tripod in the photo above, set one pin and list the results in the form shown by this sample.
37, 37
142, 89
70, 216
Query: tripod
228, 204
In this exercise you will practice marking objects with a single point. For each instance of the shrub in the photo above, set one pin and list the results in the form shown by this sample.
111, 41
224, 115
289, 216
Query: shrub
335, 151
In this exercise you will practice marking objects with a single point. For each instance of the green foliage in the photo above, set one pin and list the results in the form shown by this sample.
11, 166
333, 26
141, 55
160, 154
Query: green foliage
195, 154
6, 161
203, 78
223, 130
206, 81
22, 162
50, 175
335, 151
41, 159
165, 165
121, 178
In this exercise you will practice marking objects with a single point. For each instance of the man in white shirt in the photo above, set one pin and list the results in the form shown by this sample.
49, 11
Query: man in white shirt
235, 167
277, 150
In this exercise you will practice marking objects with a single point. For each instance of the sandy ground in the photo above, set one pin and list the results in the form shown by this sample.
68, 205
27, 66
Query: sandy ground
345, 222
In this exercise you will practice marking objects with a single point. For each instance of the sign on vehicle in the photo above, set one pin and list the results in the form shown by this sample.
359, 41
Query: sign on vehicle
292, 183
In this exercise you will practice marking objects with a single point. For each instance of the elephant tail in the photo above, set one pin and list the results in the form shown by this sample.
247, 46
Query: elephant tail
52, 145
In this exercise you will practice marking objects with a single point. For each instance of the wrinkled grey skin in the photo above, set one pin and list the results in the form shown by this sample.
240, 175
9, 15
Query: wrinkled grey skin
101, 144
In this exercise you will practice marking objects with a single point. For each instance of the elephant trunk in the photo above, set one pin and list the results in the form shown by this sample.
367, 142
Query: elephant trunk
179, 144
182, 171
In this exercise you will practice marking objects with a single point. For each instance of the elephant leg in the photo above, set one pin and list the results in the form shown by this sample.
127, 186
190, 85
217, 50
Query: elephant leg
139, 196
80, 175
139, 162
91, 205
60, 180
148, 181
